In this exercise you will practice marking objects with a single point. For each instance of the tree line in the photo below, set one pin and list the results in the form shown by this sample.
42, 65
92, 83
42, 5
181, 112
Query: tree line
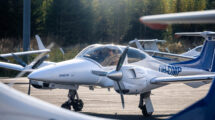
70, 22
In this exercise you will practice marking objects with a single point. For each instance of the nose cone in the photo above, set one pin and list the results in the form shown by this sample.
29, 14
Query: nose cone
43, 74
76, 71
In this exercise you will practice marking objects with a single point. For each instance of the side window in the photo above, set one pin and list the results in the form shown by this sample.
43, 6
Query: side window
135, 55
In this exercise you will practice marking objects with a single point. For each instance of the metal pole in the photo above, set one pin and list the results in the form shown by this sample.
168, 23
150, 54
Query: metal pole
26, 24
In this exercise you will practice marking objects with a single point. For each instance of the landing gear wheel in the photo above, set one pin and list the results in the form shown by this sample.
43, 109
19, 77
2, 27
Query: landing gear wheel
144, 111
78, 105
66, 105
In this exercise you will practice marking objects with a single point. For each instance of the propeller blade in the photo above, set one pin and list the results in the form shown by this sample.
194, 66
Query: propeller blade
39, 62
4, 59
27, 68
42, 54
35, 61
62, 51
18, 60
122, 59
29, 87
121, 95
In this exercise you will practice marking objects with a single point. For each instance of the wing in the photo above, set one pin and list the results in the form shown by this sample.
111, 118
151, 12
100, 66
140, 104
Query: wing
24, 53
161, 21
11, 66
182, 79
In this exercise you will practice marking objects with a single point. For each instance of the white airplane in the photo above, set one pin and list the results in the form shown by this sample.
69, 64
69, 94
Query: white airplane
140, 75
94, 66
15, 105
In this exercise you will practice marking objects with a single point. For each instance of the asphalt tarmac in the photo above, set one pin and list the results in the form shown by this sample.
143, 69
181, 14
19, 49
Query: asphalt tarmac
167, 100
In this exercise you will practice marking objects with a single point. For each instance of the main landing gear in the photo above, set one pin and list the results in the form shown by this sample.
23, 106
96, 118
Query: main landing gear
77, 103
145, 104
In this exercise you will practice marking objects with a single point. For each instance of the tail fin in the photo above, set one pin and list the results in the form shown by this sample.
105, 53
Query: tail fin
206, 60
39, 42
204, 109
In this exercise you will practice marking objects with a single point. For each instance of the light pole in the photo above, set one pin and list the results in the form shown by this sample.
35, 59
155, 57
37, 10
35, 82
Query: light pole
26, 24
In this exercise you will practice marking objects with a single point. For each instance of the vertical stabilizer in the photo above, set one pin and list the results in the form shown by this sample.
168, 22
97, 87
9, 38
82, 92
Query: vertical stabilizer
39, 42
206, 59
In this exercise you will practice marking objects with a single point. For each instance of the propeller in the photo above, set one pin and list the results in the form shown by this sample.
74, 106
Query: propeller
33, 65
18, 60
116, 75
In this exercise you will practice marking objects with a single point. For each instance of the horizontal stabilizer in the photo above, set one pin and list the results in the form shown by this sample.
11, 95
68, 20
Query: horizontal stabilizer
147, 40
200, 34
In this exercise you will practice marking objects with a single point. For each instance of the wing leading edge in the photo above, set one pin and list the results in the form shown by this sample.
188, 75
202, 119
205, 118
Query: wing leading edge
182, 79
25, 53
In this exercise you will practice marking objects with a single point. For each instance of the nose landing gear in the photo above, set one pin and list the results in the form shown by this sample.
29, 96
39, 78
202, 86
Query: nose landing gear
145, 104
77, 103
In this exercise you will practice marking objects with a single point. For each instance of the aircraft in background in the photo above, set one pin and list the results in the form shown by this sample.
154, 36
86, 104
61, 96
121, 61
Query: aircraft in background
140, 75
41, 47
196, 51
21, 63
170, 57
18, 106
147, 44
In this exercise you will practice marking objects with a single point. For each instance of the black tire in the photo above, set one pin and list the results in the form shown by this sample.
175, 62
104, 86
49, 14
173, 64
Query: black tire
144, 111
66, 105
78, 105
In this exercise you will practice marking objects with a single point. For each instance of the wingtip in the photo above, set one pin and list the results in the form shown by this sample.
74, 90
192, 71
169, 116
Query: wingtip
154, 26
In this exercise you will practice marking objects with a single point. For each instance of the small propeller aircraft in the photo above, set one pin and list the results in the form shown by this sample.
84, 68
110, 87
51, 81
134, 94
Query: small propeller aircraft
141, 73
94, 66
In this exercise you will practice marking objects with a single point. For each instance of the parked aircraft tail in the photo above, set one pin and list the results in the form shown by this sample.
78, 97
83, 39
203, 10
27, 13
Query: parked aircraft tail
201, 110
206, 59
39, 42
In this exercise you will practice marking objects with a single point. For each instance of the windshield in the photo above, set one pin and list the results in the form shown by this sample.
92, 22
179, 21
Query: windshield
104, 55
135, 55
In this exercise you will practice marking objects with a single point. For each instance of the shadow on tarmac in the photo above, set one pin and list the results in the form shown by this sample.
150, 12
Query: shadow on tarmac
129, 117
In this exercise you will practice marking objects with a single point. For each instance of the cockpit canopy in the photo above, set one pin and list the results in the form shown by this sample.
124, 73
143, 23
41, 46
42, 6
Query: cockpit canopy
108, 55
